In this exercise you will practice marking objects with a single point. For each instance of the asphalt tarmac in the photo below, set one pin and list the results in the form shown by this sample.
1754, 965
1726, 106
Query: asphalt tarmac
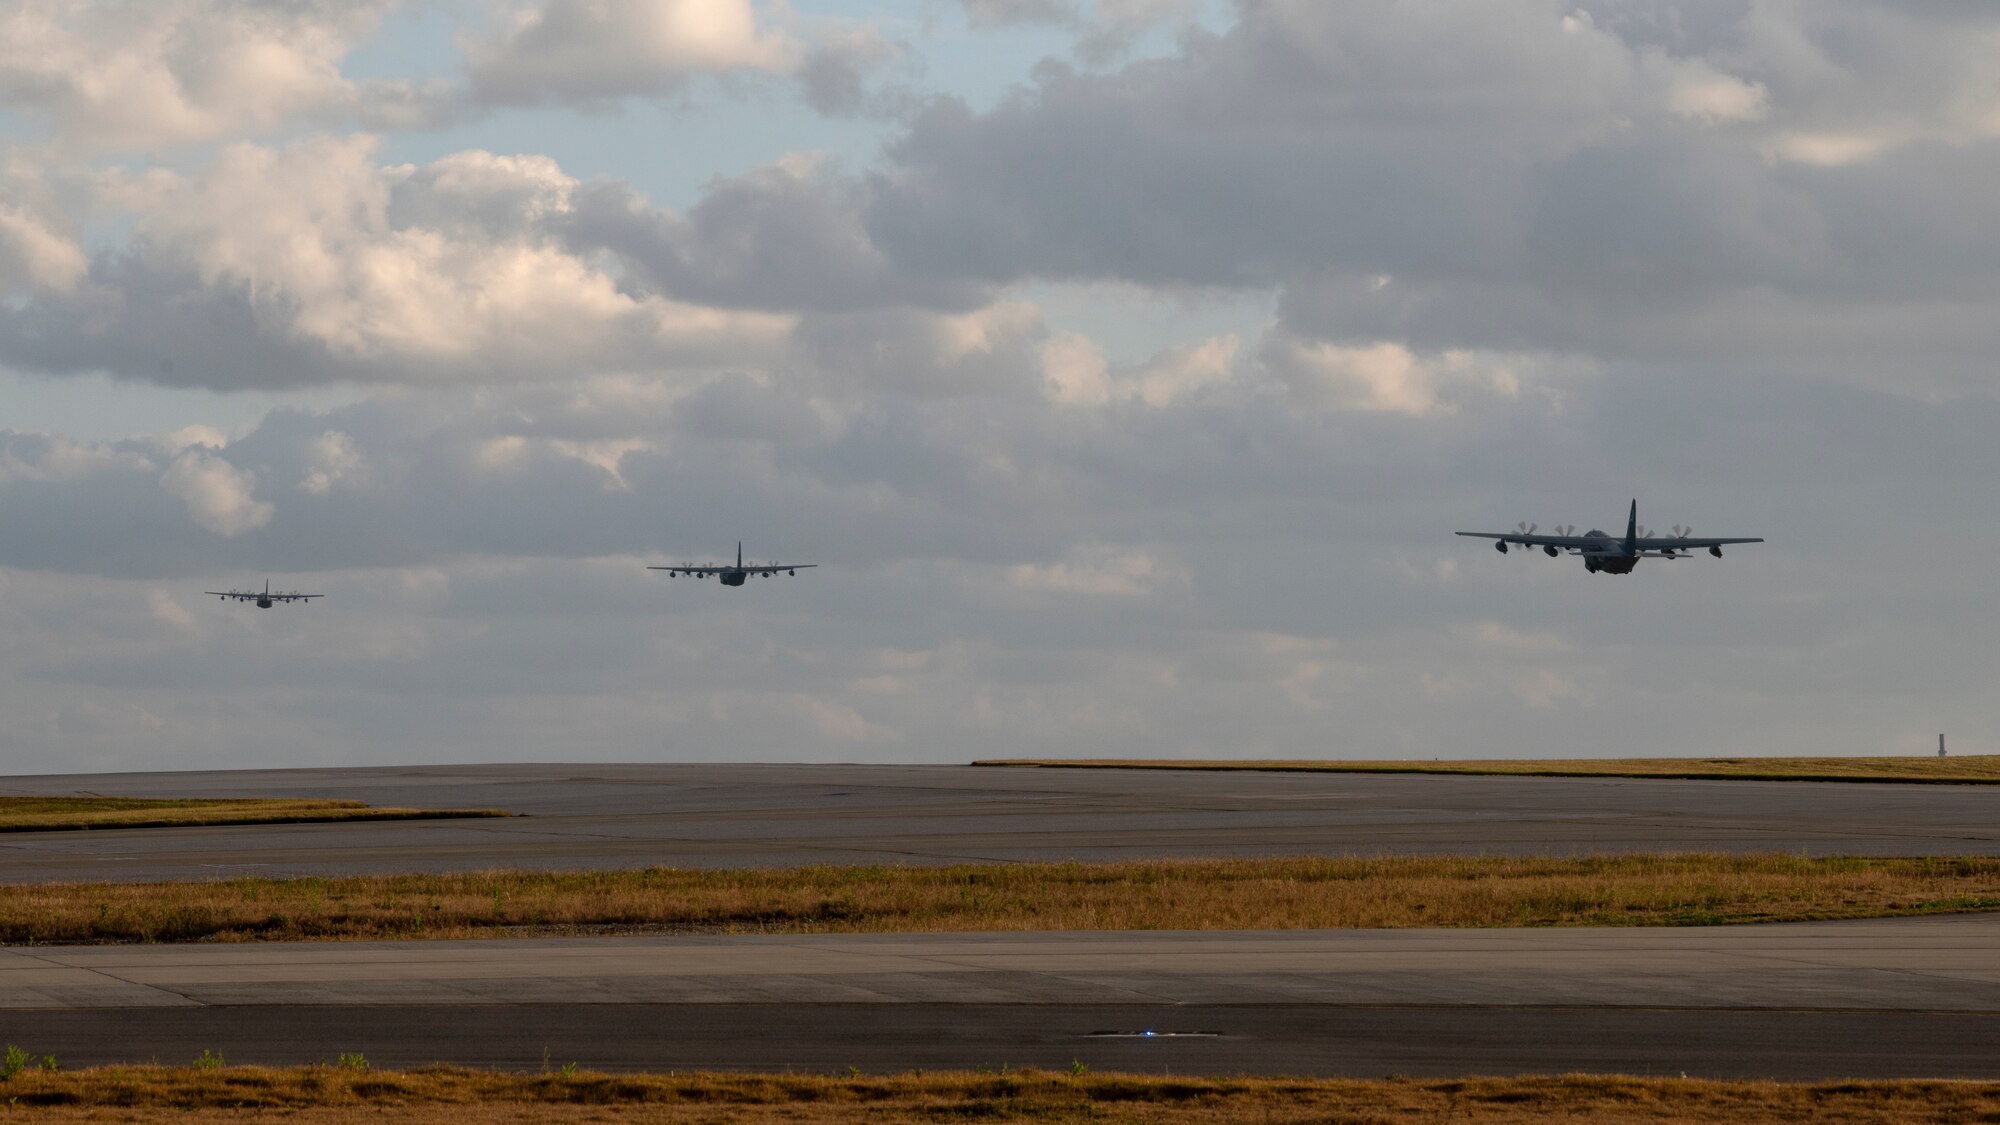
1900, 998
625, 816
1893, 998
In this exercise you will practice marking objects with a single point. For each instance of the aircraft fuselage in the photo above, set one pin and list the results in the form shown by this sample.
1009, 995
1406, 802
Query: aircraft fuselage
733, 577
263, 603
1608, 563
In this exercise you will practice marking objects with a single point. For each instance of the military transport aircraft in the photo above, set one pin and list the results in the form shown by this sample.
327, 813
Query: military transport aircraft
1607, 553
264, 600
735, 575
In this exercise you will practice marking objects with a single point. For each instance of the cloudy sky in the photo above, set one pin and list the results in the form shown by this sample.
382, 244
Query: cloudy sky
1125, 364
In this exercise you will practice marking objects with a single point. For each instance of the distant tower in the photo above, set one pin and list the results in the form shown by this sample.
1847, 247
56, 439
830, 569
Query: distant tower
1940, 746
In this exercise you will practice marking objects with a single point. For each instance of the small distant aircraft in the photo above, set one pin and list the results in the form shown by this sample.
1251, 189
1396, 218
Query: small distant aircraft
264, 600
735, 575
1605, 553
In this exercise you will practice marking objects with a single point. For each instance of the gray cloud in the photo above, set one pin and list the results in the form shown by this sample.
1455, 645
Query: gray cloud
1487, 177
1007, 575
1001, 13
1522, 268
788, 236
834, 74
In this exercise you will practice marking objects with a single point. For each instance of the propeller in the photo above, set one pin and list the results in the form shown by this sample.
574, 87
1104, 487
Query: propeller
1525, 528
1568, 530
1682, 532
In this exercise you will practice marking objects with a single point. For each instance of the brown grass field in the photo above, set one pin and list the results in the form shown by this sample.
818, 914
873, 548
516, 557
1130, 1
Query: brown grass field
53, 814
1300, 893
1981, 769
354, 1093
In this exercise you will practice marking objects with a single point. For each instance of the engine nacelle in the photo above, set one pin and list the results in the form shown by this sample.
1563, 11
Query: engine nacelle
1501, 546
1716, 551
1549, 549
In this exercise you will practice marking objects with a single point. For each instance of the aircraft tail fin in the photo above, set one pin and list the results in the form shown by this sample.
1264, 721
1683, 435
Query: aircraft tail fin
1632, 529
739, 554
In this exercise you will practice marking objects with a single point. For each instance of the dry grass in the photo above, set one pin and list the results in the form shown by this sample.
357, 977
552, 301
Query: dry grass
1982, 769
52, 814
334, 1094
1250, 894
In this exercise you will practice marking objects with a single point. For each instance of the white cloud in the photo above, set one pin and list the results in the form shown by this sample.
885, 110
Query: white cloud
1831, 150
166, 72
305, 232
601, 49
1505, 638
53, 458
1178, 372
191, 435
280, 266
839, 722
985, 351
1099, 572
219, 496
33, 253
1074, 370
1697, 91
165, 608
332, 459
607, 456
1388, 377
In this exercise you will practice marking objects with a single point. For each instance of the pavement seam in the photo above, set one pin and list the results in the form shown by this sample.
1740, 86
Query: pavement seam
52, 963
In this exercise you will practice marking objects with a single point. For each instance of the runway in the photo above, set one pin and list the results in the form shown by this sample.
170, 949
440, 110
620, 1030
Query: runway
1890, 998
1911, 997
625, 816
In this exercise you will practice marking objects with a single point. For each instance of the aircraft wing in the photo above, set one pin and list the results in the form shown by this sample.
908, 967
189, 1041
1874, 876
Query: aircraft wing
295, 597
1573, 541
772, 569
229, 594
1678, 544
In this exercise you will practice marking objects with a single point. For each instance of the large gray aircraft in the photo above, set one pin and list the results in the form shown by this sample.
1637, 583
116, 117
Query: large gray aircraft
265, 599
1606, 553
735, 575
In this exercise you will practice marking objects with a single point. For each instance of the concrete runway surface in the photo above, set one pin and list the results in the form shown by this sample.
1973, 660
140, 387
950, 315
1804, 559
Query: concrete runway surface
622, 816
1891, 998
1911, 997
